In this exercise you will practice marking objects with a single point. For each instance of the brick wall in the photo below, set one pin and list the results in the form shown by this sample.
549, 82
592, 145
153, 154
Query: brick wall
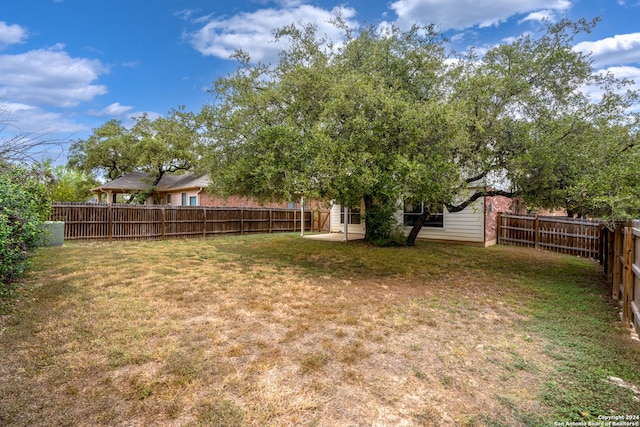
235, 201
492, 206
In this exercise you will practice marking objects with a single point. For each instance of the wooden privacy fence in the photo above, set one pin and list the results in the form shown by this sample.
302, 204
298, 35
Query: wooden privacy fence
622, 265
565, 235
144, 222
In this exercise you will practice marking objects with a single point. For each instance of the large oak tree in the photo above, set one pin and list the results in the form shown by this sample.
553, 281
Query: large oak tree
392, 114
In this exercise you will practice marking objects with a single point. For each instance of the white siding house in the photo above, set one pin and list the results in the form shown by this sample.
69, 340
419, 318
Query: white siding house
355, 223
465, 226
474, 225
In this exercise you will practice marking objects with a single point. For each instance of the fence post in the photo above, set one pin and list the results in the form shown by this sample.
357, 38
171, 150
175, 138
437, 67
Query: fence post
110, 213
617, 268
499, 227
627, 289
241, 220
346, 224
536, 231
609, 255
270, 221
163, 223
302, 216
601, 249
204, 222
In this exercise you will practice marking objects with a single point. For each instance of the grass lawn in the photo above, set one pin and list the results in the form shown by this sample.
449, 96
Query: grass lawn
275, 330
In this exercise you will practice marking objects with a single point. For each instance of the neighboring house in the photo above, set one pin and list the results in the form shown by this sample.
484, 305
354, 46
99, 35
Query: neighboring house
477, 224
181, 190
175, 190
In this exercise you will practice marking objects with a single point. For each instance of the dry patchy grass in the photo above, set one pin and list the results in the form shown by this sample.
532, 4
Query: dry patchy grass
277, 330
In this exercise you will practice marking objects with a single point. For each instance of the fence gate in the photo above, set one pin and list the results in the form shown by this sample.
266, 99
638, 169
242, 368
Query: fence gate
321, 220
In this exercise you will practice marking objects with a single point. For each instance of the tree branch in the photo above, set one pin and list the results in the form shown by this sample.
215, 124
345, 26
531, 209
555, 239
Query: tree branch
457, 208
477, 177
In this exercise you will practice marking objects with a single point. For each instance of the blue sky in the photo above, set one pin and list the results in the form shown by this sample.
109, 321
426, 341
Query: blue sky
68, 66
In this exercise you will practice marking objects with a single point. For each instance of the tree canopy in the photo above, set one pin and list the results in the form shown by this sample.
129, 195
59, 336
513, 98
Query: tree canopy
393, 114
70, 185
108, 152
162, 145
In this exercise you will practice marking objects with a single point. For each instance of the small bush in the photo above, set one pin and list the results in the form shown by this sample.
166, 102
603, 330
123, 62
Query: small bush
24, 205
383, 227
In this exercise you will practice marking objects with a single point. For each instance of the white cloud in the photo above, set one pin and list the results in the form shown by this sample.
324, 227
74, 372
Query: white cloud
285, 4
11, 34
253, 31
626, 72
461, 14
385, 28
36, 88
49, 77
458, 37
131, 64
539, 16
112, 110
131, 117
616, 50
26, 119
513, 39
152, 115
185, 14
622, 72
630, 73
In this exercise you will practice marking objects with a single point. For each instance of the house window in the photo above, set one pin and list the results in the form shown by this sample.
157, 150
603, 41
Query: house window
412, 212
354, 215
184, 199
193, 201
168, 199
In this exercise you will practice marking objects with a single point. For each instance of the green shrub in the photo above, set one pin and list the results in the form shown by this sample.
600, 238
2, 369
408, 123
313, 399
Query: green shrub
24, 206
382, 226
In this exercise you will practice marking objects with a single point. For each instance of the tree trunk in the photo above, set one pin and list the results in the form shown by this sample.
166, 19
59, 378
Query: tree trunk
368, 205
411, 238
158, 177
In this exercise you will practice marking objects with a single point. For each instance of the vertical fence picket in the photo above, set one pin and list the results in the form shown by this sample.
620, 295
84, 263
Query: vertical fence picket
628, 277
635, 286
617, 266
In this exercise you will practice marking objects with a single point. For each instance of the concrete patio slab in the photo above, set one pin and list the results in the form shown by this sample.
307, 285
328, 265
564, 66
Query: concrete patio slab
334, 237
